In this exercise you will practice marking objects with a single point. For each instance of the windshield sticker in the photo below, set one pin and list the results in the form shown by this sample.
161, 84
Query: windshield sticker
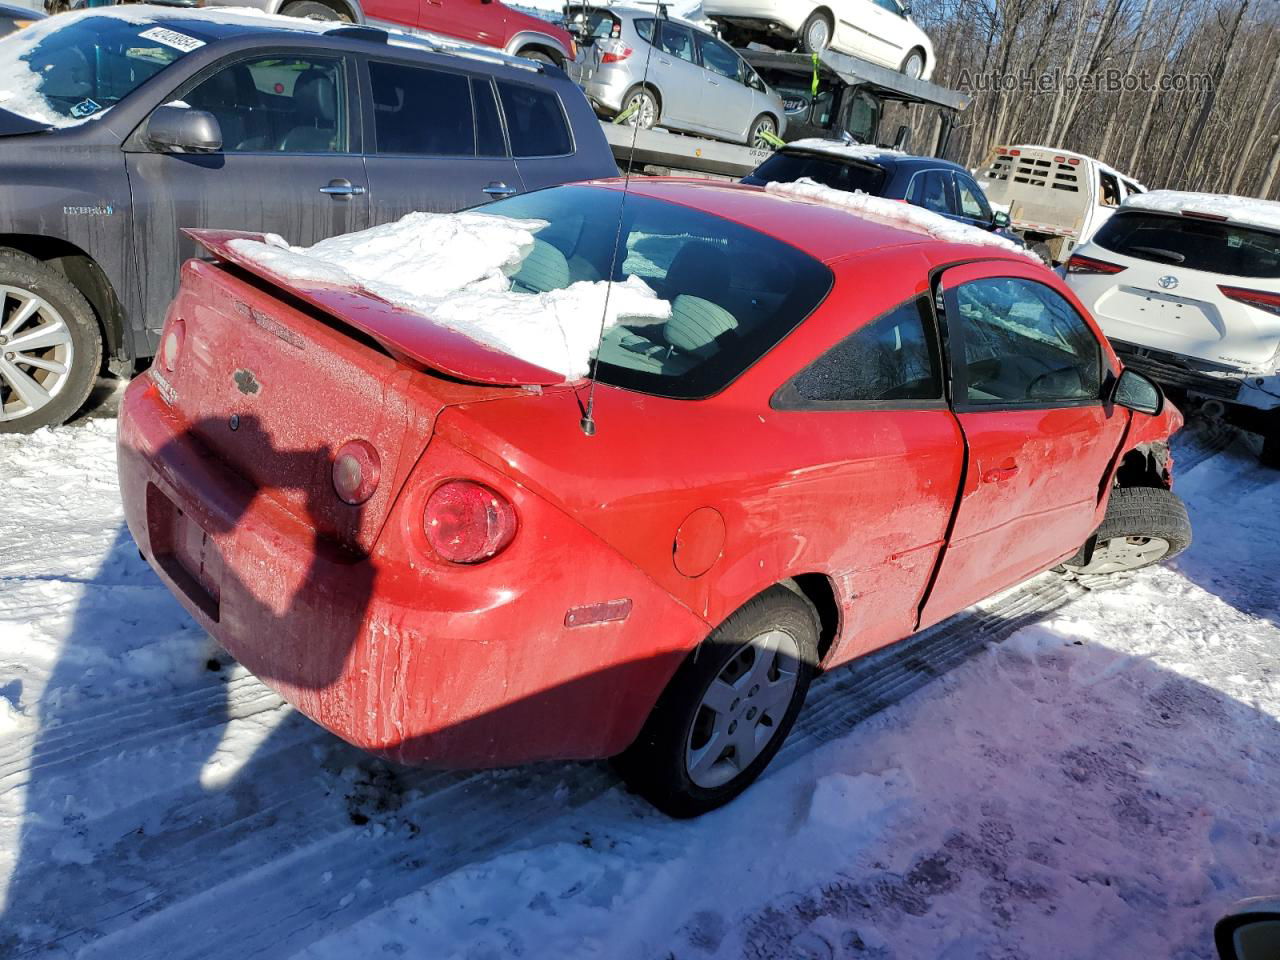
172, 38
84, 108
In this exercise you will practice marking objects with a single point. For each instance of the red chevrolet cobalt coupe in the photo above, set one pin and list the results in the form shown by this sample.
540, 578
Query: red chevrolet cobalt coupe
845, 431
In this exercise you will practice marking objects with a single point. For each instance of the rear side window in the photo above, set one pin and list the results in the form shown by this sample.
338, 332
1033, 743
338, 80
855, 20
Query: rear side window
676, 40
931, 190
645, 29
1193, 243
892, 358
790, 167
489, 139
421, 111
535, 121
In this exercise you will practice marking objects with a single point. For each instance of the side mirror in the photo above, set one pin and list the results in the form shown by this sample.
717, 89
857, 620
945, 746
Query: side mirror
1000, 219
1251, 934
183, 130
1137, 392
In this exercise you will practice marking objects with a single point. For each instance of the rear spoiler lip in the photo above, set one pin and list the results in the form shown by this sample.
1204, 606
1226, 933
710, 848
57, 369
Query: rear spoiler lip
411, 338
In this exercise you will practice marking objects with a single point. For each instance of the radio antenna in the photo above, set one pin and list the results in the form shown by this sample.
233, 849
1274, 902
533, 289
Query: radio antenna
588, 422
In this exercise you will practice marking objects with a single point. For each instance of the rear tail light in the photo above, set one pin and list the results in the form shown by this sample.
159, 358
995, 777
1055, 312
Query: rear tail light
614, 51
1200, 215
1015, 153
1261, 299
1081, 264
467, 522
1073, 161
171, 348
355, 472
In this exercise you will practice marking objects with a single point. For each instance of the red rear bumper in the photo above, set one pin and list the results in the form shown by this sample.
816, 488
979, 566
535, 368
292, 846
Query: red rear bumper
396, 652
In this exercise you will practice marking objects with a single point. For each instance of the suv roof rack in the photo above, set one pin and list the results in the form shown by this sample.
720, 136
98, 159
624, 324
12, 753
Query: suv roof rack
359, 31
458, 48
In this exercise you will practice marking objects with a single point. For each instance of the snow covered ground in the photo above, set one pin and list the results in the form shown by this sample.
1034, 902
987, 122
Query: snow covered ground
1067, 772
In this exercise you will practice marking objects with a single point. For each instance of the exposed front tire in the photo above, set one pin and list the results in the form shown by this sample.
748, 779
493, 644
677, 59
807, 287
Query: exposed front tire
728, 709
1041, 250
816, 33
1143, 525
312, 10
913, 65
50, 346
762, 125
647, 111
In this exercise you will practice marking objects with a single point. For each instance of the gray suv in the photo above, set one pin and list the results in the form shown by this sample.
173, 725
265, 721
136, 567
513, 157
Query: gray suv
670, 73
121, 126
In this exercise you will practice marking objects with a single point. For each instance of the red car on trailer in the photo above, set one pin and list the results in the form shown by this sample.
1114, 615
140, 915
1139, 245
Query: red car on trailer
846, 431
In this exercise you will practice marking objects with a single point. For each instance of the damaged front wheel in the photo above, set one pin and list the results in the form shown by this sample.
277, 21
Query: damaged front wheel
1143, 525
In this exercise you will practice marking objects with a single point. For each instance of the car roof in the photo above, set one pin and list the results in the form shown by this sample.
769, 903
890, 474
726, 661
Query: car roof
22, 13
886, 159
824, 232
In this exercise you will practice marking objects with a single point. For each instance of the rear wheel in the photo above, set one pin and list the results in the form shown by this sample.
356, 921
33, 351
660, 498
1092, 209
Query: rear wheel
641, 106
539, 55
312, 10
913, 65
815, 35
50, 349
1144, 525
762, 130
728, 709
1041, 250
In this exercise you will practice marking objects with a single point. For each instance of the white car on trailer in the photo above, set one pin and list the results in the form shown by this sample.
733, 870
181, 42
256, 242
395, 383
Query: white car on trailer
1187, 288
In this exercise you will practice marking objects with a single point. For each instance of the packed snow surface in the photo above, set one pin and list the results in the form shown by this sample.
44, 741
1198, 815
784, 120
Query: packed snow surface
896, 213
854, 151
20, 81
1248, 210
1090, 772
456, 269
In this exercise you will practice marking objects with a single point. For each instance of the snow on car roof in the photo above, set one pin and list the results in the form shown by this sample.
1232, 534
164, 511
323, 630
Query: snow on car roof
1243, 210
896, 213
839, 148
455, 268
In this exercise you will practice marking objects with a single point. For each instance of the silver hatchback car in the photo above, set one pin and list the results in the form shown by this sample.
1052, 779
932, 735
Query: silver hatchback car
669, 73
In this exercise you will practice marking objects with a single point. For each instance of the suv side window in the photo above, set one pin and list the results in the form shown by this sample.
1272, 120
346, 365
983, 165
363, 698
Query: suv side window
677, 40
277, 104
489, 139
718, 58
972, 203
891, 358
421, 111
1024, 344
931, 190
535, 121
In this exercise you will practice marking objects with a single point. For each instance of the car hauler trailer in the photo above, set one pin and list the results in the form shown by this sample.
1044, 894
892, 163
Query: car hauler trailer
835, 97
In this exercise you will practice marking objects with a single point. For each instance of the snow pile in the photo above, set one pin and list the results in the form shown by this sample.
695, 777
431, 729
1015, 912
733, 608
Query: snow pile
456, 269
853, 151
1250, 210
896, 213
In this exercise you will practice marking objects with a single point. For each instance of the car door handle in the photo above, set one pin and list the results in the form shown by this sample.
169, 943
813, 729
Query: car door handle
1000, 474
714, 83
665, 63
498, 189
343, 189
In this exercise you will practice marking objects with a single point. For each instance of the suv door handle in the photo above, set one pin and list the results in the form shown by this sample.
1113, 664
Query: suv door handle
499, 189
343, 189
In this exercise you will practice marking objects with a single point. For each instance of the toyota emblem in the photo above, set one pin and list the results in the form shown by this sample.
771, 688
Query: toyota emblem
1168, 282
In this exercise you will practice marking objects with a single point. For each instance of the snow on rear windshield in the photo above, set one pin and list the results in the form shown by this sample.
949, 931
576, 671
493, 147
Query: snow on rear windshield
1250, 210
897, 214
489, 278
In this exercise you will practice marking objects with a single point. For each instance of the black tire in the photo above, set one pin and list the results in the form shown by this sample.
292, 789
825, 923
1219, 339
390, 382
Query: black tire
652, 94
312, 10
541, 56
31, 276
1041, 250
809, 44
1271, 441
766, 121
1136, 514
916, 54
655, 766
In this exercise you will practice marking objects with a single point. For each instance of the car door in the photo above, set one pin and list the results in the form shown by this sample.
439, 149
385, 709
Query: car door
933, 190
1028, 380
679, 77
290, 163
436, 142
728, 104
871, 29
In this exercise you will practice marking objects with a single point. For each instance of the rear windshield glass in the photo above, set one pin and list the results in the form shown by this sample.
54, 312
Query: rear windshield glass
837, 174
1192, 243
734, 292
62, 71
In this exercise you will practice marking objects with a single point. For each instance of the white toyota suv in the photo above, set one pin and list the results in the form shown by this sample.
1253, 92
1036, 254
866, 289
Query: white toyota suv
881, 31
1187, 288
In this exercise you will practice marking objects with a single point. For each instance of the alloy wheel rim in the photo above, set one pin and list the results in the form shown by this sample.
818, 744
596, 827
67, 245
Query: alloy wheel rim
915, 66
818, 35
644, 113
742, 709
757, 135
36, 353
1125, 553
